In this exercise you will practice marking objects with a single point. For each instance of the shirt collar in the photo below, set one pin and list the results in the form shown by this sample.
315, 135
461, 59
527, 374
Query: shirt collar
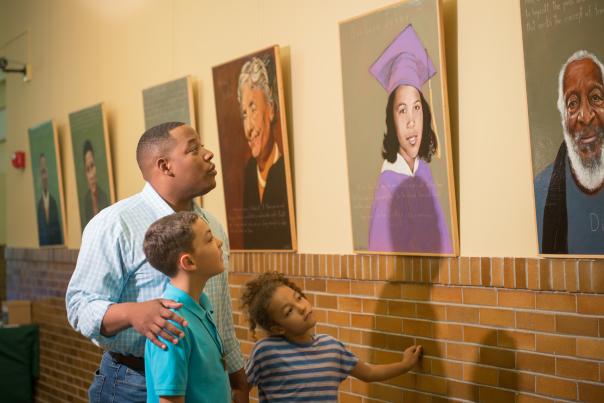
400, 166
162, 207
178, 295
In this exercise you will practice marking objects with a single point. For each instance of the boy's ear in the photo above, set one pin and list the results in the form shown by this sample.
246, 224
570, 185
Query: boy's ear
186, 262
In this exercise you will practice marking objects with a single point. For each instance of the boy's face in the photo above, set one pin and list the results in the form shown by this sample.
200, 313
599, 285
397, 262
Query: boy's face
207, 251
291, 312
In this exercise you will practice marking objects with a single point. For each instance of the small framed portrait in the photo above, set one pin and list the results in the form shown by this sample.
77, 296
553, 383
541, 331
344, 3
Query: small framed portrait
92, 161
254, 150
48, 184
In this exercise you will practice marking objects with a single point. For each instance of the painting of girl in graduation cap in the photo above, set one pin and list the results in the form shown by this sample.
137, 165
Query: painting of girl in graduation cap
405, 214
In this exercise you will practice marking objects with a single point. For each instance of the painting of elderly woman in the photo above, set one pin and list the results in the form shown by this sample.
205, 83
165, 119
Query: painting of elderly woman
254, 152
403, 200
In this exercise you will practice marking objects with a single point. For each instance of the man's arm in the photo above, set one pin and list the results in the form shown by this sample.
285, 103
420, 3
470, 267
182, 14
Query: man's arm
94, 290
372, 373
171, 399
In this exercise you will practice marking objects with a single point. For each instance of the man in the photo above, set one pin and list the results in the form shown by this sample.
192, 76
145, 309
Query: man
95, 198
265, 207
112, 297
568, 193
49, 226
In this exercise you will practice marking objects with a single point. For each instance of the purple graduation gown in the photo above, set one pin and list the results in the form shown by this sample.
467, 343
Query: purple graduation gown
406, 215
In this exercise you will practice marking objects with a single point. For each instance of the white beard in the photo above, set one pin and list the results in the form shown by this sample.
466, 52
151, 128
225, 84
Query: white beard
590, 174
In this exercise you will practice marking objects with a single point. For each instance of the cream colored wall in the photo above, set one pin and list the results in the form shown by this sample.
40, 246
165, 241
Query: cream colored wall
84, 52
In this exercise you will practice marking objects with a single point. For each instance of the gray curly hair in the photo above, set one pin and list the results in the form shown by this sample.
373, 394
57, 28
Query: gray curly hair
255, 73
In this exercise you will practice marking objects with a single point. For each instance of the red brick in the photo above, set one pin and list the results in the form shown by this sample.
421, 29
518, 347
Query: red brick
493, 395
462, 314
402, 308
388, 324
516, 340
577, 325
556, 302
577, 369
535, 321
446, 294
422, 328
590, 348
350, 304
497, 317
447, 331
480, 335
556, 387
517, 299
377, 306
590, 304
556, 344
589, 392
497, 357
432, 312
338, 287
480, 374
416, 292
515, 380
462, 390
388, 290
462, 352
545, 364
479, 296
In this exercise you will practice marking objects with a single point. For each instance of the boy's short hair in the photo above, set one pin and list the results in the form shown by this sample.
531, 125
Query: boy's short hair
257, 296
167, 238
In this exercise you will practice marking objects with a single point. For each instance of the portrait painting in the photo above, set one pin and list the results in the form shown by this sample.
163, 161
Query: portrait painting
48, 184
563, 59
398, 144
92, 161
169, 102
254, 152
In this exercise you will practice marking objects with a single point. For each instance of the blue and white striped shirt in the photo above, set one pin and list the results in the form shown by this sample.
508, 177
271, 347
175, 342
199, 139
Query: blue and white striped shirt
112, 268
290, 372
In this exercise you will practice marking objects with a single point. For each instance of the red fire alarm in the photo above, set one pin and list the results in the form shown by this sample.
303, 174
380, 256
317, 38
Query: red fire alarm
18, 159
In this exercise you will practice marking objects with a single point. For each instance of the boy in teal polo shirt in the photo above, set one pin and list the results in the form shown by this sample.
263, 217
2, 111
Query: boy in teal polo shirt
182, 247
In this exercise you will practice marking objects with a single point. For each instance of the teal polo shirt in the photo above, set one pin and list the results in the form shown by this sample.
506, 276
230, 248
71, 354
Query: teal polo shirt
192, 368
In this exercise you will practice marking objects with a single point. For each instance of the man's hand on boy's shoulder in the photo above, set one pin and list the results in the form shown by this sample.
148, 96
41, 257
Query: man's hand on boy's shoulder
152, 319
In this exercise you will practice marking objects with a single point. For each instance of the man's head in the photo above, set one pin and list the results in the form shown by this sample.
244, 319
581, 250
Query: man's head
257, 106
173, 159
90, 166
581, 106
183, 241
43, 173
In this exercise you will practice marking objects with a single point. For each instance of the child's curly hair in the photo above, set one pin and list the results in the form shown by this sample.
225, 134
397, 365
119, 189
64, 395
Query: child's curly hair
257, 297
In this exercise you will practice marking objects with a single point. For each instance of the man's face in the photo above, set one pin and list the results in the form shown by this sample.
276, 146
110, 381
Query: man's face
583, 92
257, 115
90, 168
43, 174
191, 168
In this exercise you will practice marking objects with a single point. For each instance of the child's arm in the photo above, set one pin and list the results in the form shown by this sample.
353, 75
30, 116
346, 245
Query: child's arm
171, 399
371, 373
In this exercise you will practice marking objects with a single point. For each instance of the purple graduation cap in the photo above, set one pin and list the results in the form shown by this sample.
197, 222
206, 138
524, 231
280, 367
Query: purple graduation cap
404, 62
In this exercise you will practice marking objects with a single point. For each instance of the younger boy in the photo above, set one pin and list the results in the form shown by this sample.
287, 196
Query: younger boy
294, 363
182, 247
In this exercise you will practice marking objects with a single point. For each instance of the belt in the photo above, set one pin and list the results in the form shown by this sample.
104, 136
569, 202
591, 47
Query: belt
135, 363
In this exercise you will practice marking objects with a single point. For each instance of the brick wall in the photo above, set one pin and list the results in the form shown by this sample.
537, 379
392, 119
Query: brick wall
493, 329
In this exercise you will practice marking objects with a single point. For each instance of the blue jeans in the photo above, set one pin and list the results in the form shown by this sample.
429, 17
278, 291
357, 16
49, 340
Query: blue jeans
116, 383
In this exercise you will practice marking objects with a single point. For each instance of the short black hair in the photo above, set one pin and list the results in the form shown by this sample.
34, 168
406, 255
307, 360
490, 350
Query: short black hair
428, 146
167, 238
153, 137
87, 147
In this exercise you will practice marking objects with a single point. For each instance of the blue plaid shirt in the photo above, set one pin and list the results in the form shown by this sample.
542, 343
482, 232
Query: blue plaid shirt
112, 268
